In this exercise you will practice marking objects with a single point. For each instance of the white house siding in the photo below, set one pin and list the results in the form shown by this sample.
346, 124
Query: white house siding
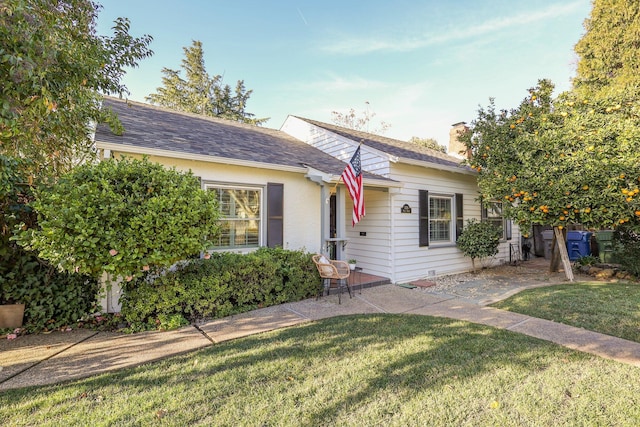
302, 213
338, 146
411, 261
373, 251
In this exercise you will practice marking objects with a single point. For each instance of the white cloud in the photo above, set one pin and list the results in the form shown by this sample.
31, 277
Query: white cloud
342, 84
354, 46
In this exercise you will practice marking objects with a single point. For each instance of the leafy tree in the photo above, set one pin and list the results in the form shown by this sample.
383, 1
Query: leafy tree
361, 122
52, 68
564, 161
572, 159
121, 217
199, 93
428, 143
479, 239
608, 51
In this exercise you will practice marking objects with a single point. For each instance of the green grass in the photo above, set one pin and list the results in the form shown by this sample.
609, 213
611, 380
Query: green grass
609, 308
371, 370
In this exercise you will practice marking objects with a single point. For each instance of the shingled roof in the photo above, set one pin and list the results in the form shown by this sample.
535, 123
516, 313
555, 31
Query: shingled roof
154, 128
401, 149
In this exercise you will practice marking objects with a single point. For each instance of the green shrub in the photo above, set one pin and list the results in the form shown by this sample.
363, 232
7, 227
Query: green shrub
479, 239
298, 272
226, 283
627, 250
587, 260
121, 217
52, 299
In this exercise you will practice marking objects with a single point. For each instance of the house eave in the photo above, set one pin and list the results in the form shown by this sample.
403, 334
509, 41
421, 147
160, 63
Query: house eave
372, 182
432, 165
132, 149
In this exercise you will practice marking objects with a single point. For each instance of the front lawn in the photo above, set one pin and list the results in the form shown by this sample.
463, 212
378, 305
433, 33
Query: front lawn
355, 370
609, 308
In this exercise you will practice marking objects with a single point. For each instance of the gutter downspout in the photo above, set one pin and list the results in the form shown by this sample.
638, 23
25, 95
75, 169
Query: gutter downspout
324, 210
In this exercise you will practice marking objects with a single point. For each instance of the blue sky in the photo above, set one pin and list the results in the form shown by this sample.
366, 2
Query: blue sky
420, 65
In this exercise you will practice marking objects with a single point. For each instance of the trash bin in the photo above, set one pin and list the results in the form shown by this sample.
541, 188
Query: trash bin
605, 245
578, 244
547, 236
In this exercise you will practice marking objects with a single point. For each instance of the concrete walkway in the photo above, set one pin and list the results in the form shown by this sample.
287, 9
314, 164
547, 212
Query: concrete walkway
60, 356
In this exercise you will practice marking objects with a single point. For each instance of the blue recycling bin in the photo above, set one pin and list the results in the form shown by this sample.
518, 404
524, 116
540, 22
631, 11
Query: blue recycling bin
578, 244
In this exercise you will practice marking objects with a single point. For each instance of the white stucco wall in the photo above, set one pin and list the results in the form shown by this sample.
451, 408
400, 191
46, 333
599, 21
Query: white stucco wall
302, 213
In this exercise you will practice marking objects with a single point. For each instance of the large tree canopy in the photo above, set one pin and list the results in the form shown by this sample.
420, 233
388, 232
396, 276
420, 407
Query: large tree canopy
609, 51
574, 158
561, 161
199, 93
53, 67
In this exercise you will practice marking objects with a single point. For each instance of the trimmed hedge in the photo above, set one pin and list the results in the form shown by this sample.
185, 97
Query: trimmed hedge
52, 299
225, 284
627, 250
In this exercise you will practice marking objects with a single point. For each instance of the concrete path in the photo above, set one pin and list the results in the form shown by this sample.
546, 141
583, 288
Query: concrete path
60, 356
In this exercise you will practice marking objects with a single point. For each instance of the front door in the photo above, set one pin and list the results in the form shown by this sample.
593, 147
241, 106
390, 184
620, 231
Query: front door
333, 228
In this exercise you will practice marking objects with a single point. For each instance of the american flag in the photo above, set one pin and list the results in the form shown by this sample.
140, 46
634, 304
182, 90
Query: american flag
352, 177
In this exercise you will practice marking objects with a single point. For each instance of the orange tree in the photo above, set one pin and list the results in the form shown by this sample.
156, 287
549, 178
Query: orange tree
561, 161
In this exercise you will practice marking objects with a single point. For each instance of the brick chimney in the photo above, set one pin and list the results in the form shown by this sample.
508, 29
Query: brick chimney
457, 148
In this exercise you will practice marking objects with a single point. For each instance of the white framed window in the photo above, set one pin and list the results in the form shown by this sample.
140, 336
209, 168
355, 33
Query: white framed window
492, 212
241, 216
440, 219
494, 216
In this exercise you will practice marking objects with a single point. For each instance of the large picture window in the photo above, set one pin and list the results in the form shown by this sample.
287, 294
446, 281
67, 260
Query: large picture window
240, 217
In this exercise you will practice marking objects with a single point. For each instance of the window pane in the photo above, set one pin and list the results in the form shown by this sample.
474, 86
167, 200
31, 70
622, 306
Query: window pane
440, 219
439, 231
494, 216
240, 220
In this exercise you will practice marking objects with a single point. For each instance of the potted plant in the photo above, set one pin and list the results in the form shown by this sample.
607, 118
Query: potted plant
352, 264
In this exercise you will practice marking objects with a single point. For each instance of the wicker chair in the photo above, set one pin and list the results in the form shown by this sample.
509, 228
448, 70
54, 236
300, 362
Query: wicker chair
332, 270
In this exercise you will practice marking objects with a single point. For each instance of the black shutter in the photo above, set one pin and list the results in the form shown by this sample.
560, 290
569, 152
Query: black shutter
423, 217
275, 214
459, 215
508, 224
483, 210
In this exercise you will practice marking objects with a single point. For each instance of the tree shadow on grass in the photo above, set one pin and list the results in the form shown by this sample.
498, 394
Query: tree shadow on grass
328, 371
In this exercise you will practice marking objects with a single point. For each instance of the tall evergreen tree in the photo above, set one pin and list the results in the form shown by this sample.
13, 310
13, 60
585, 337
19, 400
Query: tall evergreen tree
200, 93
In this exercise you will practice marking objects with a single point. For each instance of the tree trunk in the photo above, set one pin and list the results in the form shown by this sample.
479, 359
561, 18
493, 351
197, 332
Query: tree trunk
554, 266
